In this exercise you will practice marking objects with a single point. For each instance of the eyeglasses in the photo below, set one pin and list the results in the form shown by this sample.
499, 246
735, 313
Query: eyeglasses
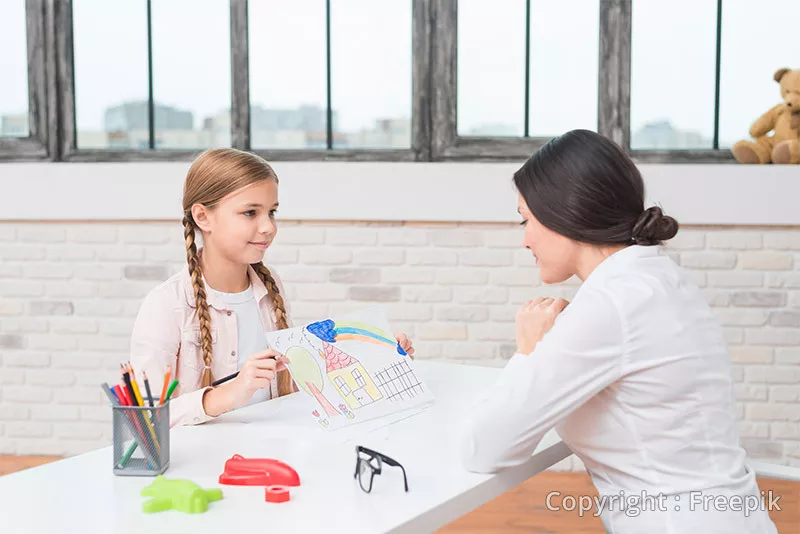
369, 464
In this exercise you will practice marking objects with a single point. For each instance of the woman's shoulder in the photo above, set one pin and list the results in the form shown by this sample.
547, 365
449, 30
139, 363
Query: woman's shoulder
651, 287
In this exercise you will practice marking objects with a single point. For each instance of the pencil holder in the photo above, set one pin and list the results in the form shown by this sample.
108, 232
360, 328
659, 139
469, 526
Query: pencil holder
141, 440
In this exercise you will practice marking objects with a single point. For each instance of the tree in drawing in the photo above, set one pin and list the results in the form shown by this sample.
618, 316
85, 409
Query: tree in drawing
308, 376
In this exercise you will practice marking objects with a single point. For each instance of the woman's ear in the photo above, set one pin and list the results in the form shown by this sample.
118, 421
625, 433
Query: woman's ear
200, 214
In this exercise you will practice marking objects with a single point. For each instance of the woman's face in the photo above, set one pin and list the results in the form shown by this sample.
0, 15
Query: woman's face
554, 254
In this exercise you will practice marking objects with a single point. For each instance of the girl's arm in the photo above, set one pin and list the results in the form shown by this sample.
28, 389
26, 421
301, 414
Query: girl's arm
155, 343
573, 362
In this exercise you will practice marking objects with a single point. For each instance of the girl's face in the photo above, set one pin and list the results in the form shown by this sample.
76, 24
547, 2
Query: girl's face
242, 226
555, 255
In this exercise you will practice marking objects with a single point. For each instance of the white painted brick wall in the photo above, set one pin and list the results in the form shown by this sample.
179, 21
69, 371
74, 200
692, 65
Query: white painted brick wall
69, 294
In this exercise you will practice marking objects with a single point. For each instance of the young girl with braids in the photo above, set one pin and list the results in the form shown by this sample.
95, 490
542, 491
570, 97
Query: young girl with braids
209, 320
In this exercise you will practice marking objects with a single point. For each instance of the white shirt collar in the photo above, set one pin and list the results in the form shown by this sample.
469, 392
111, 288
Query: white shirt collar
621, 261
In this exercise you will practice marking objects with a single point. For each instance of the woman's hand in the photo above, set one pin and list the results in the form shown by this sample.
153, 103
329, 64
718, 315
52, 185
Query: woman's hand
534, 320
406, 344
256, 373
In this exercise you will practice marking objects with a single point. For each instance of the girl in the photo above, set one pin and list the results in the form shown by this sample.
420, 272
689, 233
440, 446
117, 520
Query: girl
634, 374
208, 321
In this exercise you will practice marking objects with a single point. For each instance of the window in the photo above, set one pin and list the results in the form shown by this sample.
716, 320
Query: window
672, 80
397, 80
748, 88
316, 84
23, 102
191, 73
165, 60
342, 385
14, 66
522, 75
288, 111
359, 378
491, 68
111, 108
370, 73
697, 95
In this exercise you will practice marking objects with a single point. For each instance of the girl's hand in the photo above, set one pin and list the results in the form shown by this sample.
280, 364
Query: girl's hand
534, 320
257, 373
406, 344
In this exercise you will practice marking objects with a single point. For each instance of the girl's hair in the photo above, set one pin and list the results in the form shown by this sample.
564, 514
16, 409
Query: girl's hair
215, 174
585, 187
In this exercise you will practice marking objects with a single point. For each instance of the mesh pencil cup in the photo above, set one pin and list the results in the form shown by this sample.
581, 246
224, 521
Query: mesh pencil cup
141, 440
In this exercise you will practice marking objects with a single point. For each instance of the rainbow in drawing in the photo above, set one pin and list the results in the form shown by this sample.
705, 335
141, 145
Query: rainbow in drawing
332, 332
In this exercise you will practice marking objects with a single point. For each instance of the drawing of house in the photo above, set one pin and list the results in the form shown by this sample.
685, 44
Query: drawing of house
349, 377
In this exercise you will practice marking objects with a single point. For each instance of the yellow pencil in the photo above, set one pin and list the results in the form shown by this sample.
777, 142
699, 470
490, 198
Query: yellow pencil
149, 424
135, 386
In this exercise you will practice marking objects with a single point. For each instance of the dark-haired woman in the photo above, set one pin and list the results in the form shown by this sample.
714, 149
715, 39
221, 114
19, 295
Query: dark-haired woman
634, 373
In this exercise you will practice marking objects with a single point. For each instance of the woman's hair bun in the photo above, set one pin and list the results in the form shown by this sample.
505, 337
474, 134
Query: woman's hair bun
652, 227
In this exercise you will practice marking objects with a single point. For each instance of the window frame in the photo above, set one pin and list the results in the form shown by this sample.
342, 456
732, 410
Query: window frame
434, 135
36, 145
240, 101
614, 91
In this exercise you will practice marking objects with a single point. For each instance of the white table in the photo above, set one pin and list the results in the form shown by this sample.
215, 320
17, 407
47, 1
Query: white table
81, 494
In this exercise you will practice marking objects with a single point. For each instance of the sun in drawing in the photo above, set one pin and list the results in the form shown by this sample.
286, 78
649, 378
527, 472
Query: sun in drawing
349, 377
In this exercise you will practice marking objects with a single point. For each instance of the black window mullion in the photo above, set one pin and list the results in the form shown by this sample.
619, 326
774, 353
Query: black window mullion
715, 145
329, 105
527, 66
151, 134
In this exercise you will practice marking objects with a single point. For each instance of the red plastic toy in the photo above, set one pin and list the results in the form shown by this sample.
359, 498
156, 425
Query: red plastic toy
241, 471
276, 494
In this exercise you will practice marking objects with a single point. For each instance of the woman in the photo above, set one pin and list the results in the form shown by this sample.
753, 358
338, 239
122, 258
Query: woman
634, 374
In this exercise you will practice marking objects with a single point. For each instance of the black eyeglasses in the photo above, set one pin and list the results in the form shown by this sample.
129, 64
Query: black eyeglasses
369, 463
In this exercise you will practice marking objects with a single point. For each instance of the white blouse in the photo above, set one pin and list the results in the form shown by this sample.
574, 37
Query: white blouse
635, 377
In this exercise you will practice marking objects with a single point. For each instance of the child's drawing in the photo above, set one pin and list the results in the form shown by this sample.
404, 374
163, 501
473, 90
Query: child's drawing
399, 382
307, 376
332, 332
345, 411
321, 419
351, 366
349, 377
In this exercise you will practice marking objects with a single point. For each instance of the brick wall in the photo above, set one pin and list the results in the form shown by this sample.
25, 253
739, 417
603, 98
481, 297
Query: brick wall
69, 294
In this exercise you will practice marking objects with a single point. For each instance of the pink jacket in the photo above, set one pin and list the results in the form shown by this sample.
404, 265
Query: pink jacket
167, 331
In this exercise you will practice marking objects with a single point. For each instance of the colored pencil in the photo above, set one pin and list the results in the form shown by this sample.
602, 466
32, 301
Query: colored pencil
133, 426
147, 388
136, 401
147, 415
224, 379
172, 387
165, 385
132, 375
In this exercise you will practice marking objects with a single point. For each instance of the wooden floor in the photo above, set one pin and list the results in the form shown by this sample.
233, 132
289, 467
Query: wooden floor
523, 509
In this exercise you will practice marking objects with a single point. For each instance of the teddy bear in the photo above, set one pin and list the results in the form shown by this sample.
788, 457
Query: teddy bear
783, 146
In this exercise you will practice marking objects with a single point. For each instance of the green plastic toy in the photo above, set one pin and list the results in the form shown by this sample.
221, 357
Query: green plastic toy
181, 495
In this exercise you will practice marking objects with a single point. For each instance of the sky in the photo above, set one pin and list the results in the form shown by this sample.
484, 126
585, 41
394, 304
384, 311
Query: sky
672, 71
